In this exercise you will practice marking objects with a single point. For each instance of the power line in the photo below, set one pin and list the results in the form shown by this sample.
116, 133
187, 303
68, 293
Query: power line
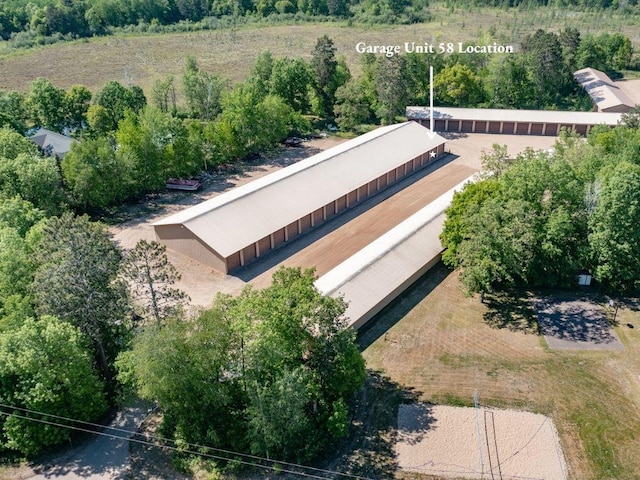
164, 440
143, 442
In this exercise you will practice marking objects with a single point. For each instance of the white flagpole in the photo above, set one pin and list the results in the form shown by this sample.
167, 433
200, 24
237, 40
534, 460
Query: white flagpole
431, 97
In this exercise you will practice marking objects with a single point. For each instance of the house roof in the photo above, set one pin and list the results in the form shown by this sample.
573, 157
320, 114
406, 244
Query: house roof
51, 142
604, 92
244, 215
520, 116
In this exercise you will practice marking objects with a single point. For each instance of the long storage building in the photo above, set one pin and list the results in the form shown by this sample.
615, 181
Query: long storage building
510, 122
237, 227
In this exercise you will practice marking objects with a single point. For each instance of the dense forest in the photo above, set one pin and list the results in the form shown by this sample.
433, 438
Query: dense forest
26, 20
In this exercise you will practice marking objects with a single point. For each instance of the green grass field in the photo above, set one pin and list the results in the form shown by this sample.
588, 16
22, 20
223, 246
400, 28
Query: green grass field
231, 53
442, 346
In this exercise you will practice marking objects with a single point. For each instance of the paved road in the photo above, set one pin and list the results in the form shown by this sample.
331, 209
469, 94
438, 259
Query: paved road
101, 458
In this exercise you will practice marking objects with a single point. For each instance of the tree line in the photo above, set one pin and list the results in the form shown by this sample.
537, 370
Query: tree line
129, 144
84, 18
543, 217
270, 372
540, 76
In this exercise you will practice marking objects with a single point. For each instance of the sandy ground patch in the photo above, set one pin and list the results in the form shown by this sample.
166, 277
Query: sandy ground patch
575, 325
484, 443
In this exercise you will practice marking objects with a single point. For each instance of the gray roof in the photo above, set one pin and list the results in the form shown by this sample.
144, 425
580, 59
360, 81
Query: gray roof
51, 143
244, 215
372, 277
499, 115
604, 92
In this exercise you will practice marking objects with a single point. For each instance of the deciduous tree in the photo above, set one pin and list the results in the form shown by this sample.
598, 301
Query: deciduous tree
614, 235
45, 367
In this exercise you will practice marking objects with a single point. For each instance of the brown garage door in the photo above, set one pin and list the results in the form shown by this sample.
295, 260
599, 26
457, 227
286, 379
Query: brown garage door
507, 127
264, 244
305, 223
292, 230
249, 253
278, 238
353, 197
536, 129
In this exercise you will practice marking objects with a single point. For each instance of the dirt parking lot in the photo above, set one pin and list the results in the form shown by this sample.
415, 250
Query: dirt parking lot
202, 282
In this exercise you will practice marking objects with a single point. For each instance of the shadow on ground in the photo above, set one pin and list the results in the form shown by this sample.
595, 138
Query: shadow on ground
511, 310
369, 450
401, 306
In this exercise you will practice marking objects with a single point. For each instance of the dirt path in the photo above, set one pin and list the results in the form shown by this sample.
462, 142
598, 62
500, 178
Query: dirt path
104, 457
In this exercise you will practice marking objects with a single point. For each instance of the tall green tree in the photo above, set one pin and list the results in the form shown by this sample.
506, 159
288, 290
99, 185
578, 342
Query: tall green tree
35, 179
546, 65
458, 86
77, 101
163, 94
95, 174
202, 90
76, 281
614, 236
353, 104
13, 144
114, 100
45, 367
291, 80
46, 104
190, 368
324, 64
508, 83
13, 111
391, 86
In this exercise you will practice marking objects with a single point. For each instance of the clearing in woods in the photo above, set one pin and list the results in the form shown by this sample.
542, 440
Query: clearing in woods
231, 53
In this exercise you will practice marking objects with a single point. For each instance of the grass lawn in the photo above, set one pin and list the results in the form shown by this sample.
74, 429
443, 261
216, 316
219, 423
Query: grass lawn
442, 346
231, 53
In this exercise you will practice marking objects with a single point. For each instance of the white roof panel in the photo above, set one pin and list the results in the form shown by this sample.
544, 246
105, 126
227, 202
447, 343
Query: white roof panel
244, 215
499, 115
604, 92
379, 269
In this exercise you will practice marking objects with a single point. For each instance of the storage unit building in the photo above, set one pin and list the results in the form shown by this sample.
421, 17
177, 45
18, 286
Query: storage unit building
239, 226
511, 122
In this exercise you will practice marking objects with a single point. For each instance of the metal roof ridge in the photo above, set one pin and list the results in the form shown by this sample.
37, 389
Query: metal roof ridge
272, 178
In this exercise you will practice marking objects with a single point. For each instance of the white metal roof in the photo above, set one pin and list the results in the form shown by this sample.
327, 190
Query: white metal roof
604, 92
379, 269
520, 116
244, 215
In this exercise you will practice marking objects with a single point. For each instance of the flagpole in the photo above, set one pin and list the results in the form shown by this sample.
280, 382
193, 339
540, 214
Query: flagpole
431, 97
